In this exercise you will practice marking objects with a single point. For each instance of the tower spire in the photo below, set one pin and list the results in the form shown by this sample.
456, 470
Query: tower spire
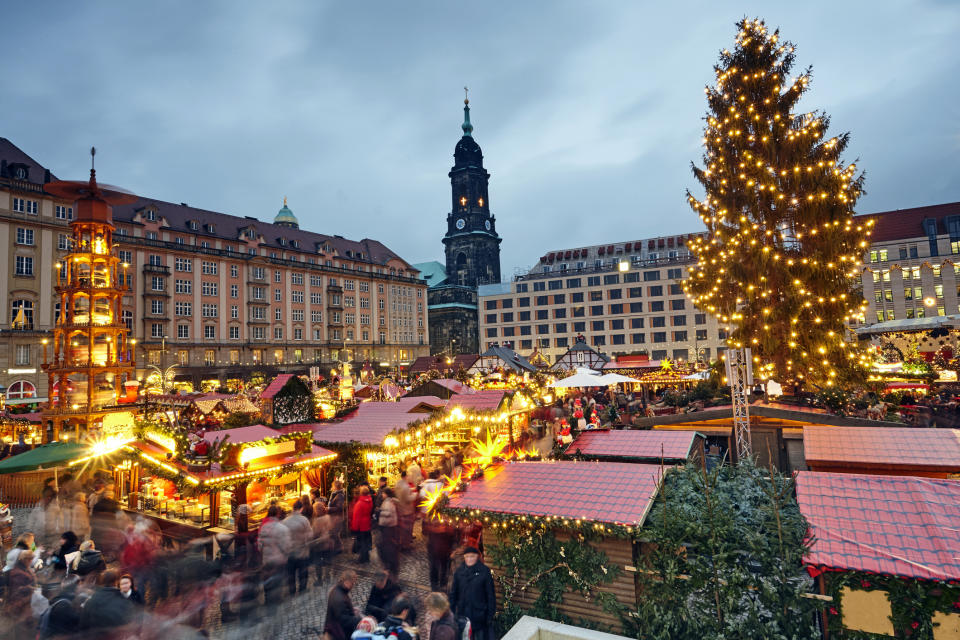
467, 127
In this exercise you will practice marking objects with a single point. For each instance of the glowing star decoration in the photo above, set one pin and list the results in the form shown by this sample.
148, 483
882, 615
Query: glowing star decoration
451, 483
487, 451
430, 499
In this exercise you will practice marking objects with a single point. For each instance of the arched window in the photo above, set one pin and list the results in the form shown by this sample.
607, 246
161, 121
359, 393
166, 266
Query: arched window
21, 314
21, 389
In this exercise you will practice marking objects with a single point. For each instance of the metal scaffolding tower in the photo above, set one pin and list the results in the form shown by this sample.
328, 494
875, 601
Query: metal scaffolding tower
739, 365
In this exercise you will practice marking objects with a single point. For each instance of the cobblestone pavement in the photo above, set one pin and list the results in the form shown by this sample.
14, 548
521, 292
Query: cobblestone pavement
303, 615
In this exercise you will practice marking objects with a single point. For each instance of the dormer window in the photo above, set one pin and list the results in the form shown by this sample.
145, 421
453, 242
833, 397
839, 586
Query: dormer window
283, 242
150, 215
211, 228
193, 225
295, 244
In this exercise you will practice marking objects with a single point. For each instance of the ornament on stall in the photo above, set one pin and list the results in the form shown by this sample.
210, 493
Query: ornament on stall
563, 436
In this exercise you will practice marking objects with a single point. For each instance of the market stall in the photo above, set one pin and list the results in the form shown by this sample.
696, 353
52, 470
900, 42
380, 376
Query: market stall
581, 516
651, 447
883, 552
190, 486
381, 438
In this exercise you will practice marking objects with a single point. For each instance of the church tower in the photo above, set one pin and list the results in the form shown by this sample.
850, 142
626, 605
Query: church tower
472, 246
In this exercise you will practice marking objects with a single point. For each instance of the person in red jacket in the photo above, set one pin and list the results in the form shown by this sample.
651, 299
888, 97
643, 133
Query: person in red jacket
360, 521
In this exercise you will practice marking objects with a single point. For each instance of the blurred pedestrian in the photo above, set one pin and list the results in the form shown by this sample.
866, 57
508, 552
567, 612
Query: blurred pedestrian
383, 592
388, 521
407, 510
443, 625
44, 520
301, 535
337, 508
360, 524
342, 616
274, 541
75, 517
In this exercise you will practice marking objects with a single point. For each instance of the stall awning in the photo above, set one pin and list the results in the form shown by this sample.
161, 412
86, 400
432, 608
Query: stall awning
892, 525
46, 456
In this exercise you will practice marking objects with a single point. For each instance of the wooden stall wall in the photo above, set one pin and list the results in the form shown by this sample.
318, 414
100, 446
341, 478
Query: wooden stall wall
575, 607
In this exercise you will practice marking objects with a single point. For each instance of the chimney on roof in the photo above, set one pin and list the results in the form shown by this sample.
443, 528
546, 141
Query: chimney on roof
183, 204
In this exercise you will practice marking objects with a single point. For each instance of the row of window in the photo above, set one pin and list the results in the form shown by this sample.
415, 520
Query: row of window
595, 310
598, 341
596, 281
580, 327
655, 291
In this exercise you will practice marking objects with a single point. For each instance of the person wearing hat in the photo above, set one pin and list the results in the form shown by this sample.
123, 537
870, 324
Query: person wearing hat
473, 594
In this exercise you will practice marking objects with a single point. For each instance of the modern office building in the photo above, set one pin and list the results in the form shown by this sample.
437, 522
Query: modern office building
217, 295
623, 298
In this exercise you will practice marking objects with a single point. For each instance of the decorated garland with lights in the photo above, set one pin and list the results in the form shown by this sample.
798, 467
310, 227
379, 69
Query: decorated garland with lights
913, 603
536, 559
783, 249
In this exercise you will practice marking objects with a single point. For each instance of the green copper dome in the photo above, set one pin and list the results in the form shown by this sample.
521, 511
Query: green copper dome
286, 218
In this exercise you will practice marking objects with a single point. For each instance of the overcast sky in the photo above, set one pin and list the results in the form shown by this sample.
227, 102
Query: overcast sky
588, 113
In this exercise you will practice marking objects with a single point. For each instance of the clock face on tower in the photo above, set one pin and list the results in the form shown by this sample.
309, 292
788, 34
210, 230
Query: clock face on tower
487, 225
461, 223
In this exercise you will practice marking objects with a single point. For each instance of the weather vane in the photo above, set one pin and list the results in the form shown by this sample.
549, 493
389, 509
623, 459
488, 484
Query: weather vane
466, 96
93, 153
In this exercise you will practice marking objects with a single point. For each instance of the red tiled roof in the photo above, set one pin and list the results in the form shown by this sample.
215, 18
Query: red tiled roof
608, 492
239, 435
651, 445
894, 525
425, 363
274, 387
373, 421
908, 223
882, 446
484, 400
454, 385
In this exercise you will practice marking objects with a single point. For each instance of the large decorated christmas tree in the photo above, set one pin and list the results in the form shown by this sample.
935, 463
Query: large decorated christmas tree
783, 250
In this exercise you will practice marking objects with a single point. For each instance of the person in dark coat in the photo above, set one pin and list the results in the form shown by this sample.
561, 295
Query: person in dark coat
342, 617
440, 542
473, 594
382, 593
444, 625
129, 591
63, 618
106, 608
68, 544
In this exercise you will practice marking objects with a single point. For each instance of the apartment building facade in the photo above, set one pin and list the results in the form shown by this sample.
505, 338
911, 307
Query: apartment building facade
911, 269
216, 295
623, 298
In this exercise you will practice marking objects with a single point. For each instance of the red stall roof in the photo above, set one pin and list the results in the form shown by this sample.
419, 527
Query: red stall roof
893, 525
373, 421
608, 492
484, 400
652, 445
879, 447
274, 387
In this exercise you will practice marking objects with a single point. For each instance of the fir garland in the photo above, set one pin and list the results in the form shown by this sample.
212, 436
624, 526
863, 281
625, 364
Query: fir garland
536, 559
913, 603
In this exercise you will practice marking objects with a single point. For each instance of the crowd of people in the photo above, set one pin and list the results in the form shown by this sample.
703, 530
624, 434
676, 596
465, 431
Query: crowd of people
89, 569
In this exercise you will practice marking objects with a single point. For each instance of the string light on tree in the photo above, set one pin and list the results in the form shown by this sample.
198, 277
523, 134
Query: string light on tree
783, 251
